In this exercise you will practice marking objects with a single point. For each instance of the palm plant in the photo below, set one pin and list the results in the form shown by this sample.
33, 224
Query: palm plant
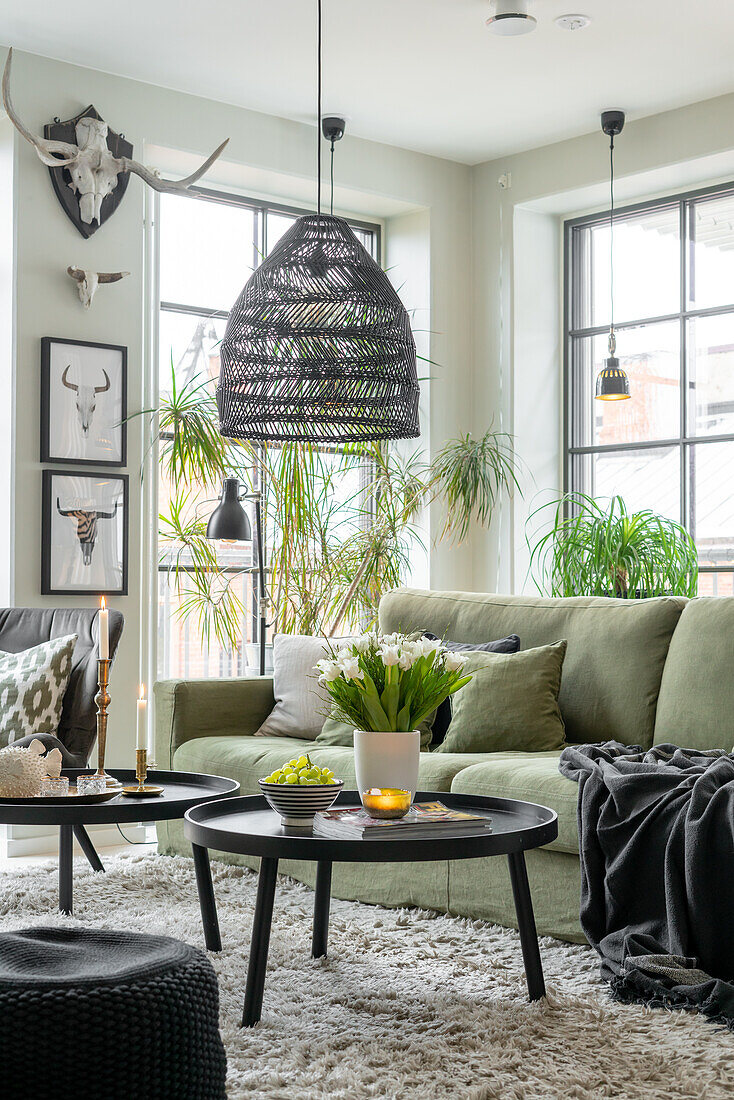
596, 548
332, 556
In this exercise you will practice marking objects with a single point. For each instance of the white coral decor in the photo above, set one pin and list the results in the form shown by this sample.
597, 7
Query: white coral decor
23, 768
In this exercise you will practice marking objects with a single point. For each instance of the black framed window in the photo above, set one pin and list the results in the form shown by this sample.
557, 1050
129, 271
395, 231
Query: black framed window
671, 447
208, 247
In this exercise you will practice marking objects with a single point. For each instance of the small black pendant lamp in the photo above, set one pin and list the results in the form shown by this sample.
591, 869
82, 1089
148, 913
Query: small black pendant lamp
612, 383
318, 346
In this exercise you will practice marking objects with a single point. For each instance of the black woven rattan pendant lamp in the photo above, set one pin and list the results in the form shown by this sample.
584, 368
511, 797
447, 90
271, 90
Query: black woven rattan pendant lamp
612, 383
318, 346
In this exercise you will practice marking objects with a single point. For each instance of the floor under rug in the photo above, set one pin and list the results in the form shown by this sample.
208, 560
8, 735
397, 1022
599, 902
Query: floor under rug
408, 1004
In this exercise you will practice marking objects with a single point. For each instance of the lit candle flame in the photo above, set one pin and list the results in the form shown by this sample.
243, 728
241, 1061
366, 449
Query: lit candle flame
102, 603
141, 694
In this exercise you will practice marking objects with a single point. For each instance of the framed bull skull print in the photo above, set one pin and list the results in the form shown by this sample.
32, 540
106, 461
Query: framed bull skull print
83, 402
84, 533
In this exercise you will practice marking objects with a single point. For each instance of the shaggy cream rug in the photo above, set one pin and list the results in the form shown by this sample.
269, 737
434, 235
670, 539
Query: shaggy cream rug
409, 1004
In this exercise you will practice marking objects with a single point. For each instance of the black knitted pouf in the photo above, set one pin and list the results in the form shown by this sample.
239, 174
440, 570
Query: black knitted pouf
90, 1014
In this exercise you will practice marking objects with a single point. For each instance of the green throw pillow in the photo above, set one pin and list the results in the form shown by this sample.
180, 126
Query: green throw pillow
336, 732
510, 704
32, 688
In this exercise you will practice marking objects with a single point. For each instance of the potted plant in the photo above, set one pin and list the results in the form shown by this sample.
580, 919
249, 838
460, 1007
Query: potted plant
330, 559
598, 548
386, 685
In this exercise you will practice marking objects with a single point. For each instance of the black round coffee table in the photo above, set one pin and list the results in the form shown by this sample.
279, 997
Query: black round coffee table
247, 826
181, 791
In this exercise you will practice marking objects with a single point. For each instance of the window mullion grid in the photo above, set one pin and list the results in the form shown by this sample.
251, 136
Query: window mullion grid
685, 516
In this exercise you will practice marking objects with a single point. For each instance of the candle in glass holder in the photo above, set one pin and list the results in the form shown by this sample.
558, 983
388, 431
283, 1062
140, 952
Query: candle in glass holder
386, 802
104, 631
142, 729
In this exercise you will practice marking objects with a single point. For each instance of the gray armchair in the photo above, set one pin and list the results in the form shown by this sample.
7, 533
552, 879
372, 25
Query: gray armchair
24, 627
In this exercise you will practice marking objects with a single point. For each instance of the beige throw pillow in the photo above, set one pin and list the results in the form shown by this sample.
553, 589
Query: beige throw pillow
301, 703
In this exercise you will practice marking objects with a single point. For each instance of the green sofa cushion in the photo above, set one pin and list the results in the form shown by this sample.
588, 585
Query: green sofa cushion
248, 759
615, 657
335, 732
529, 777
510, 703
696, 707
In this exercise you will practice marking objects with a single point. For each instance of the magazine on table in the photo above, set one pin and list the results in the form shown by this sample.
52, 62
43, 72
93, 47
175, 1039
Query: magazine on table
423, 819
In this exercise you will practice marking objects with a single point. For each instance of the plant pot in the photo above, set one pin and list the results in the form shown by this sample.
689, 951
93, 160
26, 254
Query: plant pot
387, 759
252, 658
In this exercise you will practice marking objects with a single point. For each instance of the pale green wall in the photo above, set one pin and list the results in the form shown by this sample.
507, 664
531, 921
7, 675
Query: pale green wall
47, 303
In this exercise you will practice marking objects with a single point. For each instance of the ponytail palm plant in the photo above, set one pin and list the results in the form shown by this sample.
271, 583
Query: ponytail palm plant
340, 526
598, 548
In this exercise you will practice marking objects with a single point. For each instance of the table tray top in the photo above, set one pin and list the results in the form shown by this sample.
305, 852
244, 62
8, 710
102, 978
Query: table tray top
247, 826
182, 790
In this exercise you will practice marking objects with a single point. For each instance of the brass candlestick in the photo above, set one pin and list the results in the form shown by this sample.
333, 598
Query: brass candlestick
143, 789
141, 767
102, 699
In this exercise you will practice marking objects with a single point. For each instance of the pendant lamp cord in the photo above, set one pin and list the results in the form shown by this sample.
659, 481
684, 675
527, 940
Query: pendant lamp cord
332, 177
318, 113
612, 337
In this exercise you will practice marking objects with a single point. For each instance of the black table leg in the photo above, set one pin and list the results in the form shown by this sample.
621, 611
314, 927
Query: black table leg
526, 926
207, 903
66, 868
260, 942
87, 847
321, 903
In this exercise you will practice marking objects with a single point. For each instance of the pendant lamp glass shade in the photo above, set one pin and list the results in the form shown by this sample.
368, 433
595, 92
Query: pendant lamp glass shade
612, 384
318, 346
229, 519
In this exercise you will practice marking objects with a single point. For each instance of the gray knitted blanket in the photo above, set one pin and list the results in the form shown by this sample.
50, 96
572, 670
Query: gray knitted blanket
656, 832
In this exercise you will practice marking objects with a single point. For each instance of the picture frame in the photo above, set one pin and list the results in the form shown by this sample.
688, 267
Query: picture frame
83, 402
84, 533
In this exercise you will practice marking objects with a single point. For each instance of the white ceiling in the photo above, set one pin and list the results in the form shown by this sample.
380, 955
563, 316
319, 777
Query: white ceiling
422, 74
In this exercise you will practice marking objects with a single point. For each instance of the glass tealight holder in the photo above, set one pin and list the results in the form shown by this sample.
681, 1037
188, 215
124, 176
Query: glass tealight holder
90, 784
386, 802
54, 787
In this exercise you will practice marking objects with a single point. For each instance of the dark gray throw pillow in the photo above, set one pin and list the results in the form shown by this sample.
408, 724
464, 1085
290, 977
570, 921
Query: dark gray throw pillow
442, 721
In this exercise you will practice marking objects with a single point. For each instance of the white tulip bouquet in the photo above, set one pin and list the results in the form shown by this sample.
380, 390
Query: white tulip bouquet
390, 682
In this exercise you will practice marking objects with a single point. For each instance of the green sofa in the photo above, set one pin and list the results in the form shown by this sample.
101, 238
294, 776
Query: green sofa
641, 672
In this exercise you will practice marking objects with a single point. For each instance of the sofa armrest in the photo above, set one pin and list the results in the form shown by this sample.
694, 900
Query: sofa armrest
186, 709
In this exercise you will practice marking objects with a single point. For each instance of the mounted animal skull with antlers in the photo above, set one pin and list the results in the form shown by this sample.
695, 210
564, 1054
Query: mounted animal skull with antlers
88, 281
92, 166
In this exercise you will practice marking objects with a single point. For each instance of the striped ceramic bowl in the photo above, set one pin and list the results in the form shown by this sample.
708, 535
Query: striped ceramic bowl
297, 805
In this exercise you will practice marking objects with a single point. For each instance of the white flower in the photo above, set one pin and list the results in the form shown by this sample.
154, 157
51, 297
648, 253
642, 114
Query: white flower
454, 662
391, 639
362, 644
330, 670
406, 658
349, 667
429, 646
390, 655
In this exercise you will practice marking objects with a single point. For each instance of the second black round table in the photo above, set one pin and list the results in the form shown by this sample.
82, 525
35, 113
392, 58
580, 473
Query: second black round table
247, 826
181, 791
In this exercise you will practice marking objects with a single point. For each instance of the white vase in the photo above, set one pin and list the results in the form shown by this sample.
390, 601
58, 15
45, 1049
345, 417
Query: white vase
387, 759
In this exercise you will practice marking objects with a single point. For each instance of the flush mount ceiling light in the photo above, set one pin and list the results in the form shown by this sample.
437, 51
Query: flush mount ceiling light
511, 17
612, 383
572, 22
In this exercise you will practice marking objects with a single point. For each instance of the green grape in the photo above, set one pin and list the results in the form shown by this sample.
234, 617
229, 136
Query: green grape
283, 779
312, 782
292, 778
275, 776
313, 773
293, 763
302, 781
302, 762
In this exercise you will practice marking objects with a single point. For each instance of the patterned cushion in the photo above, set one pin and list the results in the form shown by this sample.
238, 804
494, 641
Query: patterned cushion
32, 687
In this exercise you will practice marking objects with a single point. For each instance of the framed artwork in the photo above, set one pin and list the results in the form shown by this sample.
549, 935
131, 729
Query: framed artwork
84, 533
83, 402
